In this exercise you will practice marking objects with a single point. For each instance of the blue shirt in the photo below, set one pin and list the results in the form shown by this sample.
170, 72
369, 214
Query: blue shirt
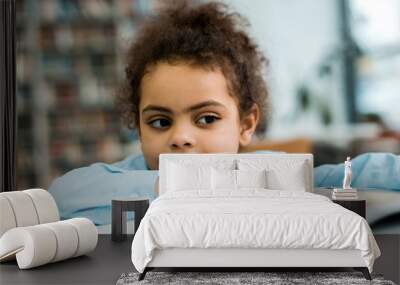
88, 191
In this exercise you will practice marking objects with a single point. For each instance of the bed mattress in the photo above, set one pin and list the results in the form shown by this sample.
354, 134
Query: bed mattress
251, 219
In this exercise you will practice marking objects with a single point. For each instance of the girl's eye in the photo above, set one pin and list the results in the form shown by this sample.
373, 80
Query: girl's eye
159, 123
208, 119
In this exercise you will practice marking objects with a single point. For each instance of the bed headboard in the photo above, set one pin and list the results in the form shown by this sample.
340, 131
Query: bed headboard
246, 159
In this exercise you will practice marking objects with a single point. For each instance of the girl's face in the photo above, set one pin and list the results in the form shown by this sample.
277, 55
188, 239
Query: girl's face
185, 109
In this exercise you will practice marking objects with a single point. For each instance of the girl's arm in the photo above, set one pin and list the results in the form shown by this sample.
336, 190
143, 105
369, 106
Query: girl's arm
370, 170
88, 191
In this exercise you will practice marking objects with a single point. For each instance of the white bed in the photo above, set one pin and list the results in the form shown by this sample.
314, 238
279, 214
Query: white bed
248, 226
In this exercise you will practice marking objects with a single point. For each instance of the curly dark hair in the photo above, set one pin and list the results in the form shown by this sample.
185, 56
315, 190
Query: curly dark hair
202, 35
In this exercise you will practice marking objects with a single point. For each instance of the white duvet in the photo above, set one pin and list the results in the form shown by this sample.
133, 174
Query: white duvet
253, 218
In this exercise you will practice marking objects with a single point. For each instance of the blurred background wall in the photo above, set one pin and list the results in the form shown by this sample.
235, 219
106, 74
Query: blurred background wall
333, 79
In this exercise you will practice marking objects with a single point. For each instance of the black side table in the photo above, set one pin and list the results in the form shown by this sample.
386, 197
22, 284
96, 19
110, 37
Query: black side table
357, 206
118, 219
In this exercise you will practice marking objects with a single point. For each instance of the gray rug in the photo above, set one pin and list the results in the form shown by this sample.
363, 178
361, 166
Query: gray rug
226, 278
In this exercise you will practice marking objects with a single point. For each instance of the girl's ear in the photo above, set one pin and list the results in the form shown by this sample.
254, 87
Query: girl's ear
248, 125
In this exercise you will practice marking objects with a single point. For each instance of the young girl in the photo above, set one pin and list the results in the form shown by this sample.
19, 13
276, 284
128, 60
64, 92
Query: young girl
194, 84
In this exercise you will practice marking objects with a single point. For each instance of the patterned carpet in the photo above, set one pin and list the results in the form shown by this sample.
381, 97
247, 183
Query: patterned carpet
225, 278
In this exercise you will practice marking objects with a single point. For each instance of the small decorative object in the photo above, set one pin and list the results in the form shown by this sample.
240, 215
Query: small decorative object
347, 174
347, 192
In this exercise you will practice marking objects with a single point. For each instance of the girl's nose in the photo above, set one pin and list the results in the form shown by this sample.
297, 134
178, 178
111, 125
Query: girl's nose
181, 138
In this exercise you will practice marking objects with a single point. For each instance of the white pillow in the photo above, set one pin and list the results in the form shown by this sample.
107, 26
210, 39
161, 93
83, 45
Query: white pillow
251, 178
296, 181
236, 179
282, 174
223, 179
181, 177
223, 163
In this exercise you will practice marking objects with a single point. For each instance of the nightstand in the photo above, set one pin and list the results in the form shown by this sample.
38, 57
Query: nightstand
119, 209
358, 206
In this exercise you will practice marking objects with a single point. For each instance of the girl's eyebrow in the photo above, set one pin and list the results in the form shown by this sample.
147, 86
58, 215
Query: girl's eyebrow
189, 109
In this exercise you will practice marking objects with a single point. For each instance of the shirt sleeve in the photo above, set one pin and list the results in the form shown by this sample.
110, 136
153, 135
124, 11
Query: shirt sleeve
88, 191
369, 170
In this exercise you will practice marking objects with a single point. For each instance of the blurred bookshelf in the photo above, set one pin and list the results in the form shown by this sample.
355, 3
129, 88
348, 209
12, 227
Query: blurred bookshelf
70, 56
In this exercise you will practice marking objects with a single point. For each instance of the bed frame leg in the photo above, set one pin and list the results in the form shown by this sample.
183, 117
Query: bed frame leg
143, 274
364, 271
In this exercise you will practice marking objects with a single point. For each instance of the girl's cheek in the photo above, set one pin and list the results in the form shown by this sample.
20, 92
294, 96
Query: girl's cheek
151, 145
220, 143
151, 156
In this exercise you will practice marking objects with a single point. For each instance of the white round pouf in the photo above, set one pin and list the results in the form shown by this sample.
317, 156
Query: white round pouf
23, 208
33, 246
7, 218
31, 232
67, 240
40, 244
87, 233
45, 205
